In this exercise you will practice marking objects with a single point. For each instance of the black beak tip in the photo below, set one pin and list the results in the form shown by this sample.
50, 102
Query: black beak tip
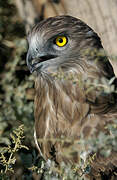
31, 70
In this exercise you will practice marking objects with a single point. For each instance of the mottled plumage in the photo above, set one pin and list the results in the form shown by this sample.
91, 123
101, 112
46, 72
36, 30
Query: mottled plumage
64, 105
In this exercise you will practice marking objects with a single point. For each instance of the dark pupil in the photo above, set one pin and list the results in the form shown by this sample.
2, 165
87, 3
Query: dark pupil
60, 40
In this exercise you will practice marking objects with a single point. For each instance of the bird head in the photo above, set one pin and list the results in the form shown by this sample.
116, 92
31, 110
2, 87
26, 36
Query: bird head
65, 42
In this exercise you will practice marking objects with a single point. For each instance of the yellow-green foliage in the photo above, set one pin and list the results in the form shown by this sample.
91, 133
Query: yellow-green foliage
16, 107
16, 140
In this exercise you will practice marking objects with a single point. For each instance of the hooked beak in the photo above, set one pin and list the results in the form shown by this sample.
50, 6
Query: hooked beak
37, 63
32, 63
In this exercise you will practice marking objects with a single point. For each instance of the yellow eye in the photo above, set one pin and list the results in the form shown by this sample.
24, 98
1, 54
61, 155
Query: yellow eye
61, 41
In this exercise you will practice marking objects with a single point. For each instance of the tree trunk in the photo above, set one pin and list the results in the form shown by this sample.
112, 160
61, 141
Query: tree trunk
99, 15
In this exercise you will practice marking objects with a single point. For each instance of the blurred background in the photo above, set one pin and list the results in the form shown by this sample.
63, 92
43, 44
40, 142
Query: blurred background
16, 84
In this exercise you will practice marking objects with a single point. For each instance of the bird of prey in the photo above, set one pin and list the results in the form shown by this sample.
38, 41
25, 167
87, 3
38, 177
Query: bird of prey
70, 100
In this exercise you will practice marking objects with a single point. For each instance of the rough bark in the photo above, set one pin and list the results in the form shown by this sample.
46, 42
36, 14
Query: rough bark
100, 15
27, 12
